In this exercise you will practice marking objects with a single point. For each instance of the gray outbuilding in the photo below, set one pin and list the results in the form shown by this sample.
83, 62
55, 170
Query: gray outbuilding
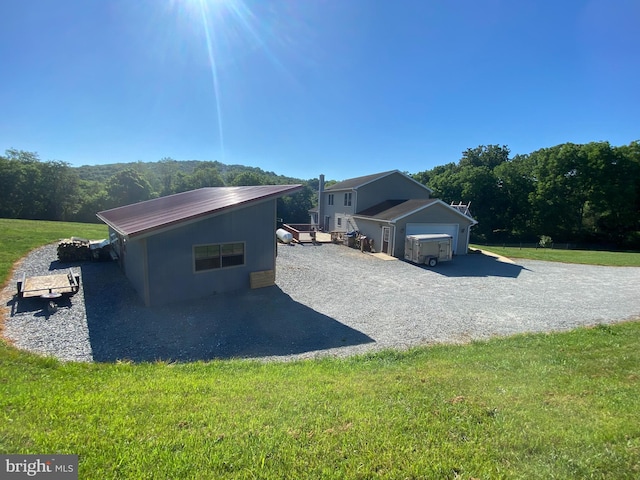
197, 243
398, 218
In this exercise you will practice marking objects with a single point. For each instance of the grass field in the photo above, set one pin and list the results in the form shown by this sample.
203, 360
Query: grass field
588, 257
19, 237
559, 406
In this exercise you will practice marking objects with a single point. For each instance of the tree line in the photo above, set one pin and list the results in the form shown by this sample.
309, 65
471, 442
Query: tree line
53, 190
587, 193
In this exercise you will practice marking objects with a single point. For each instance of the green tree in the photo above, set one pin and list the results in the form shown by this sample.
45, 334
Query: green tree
249, 178
614, 203
485, 156
127, 187
33, 189
294, 208
21, 179
59, 191
206, 176
166, 174
513, 210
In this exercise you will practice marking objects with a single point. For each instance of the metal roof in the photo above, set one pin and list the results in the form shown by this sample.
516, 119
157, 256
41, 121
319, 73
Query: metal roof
166, 212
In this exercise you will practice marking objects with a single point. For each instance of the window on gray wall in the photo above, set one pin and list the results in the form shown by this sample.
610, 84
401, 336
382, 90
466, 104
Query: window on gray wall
347, 199
330, 199
219, 255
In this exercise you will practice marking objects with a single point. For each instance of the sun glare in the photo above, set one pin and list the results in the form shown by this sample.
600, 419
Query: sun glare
230, 30
232, 34
214, 72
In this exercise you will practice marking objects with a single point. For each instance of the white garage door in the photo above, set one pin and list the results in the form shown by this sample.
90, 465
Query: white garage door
448, 228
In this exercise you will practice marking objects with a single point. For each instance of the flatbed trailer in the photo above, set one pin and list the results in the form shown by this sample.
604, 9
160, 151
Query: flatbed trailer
49, 286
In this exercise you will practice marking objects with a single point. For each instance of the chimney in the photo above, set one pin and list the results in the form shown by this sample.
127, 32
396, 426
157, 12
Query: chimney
321, 202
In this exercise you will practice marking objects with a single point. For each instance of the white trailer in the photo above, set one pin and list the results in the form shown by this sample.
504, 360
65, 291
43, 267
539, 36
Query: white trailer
428, 249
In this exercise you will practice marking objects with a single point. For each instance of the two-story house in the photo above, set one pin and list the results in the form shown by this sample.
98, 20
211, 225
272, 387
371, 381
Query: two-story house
386, 207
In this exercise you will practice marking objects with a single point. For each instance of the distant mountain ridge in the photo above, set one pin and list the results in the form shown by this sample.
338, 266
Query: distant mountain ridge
161, 168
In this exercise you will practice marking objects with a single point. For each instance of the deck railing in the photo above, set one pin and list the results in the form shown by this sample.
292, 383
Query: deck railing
301, 231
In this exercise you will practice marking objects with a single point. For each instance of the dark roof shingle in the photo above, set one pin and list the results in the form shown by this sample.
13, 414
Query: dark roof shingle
392, 209
358, 181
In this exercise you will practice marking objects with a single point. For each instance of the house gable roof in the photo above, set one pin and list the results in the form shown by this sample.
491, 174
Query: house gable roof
355, 183
394, 210
168, 212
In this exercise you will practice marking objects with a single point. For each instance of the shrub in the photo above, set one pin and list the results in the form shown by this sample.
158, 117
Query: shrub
545, 241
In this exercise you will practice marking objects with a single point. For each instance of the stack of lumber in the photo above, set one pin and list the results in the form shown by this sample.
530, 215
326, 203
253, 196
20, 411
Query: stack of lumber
73, 250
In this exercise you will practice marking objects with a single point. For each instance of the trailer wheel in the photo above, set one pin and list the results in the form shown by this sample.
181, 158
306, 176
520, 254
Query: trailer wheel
51, 308
432, 262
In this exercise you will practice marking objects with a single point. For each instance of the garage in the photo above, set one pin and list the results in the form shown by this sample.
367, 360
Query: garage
448, 228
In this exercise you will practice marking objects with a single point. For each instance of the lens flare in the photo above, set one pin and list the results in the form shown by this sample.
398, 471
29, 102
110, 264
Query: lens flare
214, 76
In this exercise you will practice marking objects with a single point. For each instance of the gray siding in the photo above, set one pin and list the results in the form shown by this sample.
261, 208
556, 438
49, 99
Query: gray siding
392, 187
132, 262
373, 230
437, 213
170, 255
338, 208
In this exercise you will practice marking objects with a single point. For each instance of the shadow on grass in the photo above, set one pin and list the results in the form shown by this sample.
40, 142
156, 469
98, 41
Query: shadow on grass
476, 265
255, 323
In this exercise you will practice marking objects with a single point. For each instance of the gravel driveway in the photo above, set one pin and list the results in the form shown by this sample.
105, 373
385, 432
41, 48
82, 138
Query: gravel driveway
329, 300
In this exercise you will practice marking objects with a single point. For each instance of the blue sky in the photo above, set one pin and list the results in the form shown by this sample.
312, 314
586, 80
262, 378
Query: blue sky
340, 87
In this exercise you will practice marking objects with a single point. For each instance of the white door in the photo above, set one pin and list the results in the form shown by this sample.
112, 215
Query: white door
448, 228
386, 243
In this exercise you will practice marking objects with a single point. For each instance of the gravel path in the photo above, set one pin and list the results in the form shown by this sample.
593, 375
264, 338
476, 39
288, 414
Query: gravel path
329, 300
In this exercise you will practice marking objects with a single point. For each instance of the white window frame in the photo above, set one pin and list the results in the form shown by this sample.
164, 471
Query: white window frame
347, 199
330, 199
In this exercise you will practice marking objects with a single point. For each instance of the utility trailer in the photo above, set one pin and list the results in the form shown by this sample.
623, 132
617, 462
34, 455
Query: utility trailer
428, 249
49, 287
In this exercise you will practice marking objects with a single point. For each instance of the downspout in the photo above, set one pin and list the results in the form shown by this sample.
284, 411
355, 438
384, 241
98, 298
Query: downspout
320, 224
392, 238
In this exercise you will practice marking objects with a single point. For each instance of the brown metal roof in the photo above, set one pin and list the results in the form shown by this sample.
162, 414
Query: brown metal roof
144, 217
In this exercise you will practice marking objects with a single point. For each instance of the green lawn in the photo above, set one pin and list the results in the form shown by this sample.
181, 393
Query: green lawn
532, 406
560, 406
19, 237
589, 257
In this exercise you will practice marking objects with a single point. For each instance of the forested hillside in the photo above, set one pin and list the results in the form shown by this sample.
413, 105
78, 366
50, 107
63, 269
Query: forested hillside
571, 193
53, 190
